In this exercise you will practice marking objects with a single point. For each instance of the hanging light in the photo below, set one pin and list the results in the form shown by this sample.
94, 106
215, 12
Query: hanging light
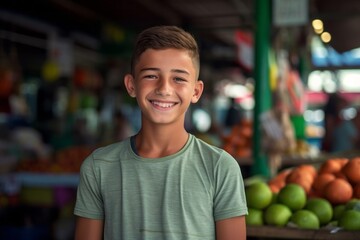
318, 26
325, 37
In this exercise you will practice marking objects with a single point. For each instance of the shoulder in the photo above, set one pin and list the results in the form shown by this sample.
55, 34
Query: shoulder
108, 153
207, 146
104, 161
111, 151
212, 153
197, 142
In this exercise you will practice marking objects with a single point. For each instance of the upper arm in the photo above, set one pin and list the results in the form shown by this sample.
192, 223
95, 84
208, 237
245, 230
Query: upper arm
88, 229
231, 229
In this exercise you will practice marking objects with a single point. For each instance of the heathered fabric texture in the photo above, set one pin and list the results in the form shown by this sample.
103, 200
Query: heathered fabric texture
174, 197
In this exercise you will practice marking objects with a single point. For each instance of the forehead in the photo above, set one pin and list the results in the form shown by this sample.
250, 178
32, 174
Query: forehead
167, 58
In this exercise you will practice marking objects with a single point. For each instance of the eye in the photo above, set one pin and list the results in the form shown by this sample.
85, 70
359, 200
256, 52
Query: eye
179, 79
150, 76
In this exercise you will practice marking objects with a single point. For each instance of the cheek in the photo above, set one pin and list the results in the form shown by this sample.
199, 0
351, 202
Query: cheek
141, 88
192, 98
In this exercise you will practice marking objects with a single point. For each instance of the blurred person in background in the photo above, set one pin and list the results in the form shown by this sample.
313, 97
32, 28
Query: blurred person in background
233, 115
340, 134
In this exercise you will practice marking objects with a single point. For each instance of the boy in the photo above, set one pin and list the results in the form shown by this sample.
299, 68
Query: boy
162, 183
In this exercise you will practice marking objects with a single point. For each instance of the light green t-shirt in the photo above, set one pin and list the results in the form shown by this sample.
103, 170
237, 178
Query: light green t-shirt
175, 197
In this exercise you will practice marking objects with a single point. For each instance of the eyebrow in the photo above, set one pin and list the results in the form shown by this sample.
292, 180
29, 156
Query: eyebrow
172, 70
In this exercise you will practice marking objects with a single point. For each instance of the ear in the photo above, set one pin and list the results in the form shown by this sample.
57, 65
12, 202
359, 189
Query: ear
199, 87
130, 85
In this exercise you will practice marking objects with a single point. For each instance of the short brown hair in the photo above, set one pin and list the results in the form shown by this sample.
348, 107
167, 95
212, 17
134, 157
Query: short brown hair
163, 37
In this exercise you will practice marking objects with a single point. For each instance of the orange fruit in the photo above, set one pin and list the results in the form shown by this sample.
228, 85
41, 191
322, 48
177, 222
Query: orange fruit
320, 182
308, 168
332, 165
352, 170
302, 178
279, 181
274, 187
246, 131
243, 152
338, 191
283, 174
343, 161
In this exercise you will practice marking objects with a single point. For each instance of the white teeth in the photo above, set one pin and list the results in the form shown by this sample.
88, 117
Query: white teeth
163, 105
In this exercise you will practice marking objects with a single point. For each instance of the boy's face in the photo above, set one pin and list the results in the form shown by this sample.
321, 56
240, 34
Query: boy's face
165, 84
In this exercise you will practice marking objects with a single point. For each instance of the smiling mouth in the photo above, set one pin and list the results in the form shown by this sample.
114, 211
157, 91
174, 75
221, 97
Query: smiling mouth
163, 104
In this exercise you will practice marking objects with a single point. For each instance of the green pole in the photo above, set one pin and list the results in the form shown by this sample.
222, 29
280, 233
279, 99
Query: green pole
262, 92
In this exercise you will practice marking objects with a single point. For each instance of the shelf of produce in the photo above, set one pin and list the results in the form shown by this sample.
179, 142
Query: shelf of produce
294, 160
47, 179
288, 161
295, 233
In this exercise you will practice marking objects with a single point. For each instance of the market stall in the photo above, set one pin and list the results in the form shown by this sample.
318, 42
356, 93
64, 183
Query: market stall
65, 107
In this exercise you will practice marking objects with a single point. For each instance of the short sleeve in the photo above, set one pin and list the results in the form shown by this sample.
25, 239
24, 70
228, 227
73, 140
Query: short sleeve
89, 202
229, 197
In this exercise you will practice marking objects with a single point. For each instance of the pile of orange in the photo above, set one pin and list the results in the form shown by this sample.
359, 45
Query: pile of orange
302, 175
346, 178
336, 179
239, 141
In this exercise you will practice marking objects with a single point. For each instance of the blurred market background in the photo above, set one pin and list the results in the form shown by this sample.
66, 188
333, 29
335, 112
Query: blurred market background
270, 69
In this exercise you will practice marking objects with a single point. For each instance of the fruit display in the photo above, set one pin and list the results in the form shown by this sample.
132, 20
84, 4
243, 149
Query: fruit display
308, 197
67, 160
239, 141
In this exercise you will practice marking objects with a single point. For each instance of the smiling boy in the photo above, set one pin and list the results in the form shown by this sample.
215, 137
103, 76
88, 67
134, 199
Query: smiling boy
162, 183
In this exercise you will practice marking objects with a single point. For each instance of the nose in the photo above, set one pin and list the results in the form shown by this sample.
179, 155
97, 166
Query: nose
164, 87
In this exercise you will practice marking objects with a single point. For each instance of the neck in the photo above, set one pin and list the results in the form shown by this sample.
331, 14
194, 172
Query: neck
156, 143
